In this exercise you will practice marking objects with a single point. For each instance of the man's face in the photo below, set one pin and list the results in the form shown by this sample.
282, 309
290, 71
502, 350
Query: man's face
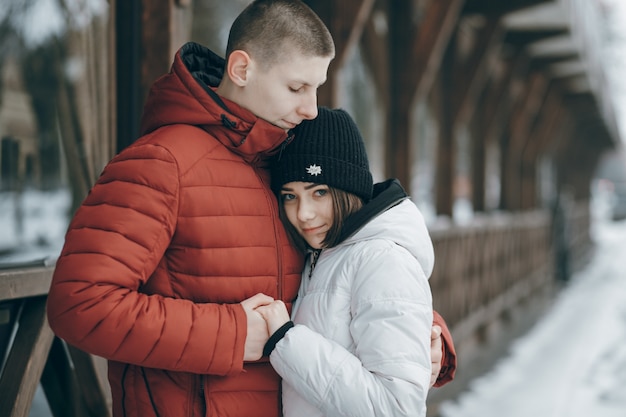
286, 93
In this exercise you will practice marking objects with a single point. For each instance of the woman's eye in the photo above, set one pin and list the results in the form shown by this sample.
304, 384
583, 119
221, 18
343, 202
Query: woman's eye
295, 90
287, 197
321, 192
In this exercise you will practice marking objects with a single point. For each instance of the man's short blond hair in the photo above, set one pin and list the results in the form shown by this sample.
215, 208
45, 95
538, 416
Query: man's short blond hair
269, 29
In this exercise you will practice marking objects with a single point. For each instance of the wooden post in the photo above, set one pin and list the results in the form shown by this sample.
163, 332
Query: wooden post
474, 75
523, 118
416, 53
346, 21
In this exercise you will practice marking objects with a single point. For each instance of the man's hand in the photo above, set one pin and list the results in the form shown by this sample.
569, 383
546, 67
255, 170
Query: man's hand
257, 328
436, 353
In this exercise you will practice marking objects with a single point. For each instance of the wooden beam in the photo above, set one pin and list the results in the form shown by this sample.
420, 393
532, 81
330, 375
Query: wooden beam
25, 282
496, 105
558, 145
479, 172
528, 110
522, 120
156, 41
416, 51
375, 46
428, 46
92, 383
477, 71
446, 149
505, 100
578, 176
499, 7
397, 154
545, 132
539, 137
346, 21
522, 38
59, 384
129, 94
78, 386
165, 26
479, 148
347, 25
81, 172
26, 359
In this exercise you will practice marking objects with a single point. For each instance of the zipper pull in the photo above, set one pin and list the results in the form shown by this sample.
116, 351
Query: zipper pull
314, 256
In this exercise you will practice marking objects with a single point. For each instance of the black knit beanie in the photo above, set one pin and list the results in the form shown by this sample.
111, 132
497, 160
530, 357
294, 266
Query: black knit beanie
326, 150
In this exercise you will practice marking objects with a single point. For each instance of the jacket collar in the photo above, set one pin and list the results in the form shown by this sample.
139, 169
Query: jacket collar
386, 195
186, 95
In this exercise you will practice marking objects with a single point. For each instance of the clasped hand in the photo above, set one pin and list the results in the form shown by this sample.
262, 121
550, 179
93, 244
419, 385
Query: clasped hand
265, 316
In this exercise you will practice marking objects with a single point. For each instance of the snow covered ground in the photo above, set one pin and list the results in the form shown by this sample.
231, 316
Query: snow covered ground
33, 224
573, 362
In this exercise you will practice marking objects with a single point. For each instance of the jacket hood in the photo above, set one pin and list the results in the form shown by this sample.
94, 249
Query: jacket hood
392, 215
186, 95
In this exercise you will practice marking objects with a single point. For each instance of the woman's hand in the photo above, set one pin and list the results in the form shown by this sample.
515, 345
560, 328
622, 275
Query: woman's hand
257, 329
275, 315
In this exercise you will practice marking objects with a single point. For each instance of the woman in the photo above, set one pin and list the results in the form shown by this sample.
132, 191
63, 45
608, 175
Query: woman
359, 342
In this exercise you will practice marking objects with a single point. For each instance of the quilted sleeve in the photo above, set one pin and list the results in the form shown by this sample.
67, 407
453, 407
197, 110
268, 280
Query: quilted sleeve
114, 243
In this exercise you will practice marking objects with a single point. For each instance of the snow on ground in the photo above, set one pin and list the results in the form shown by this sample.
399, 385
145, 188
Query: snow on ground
572, 363
33, 224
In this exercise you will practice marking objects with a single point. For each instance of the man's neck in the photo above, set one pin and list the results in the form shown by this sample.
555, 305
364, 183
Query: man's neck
227, 90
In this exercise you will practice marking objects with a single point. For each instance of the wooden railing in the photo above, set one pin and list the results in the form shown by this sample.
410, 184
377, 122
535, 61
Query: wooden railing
73, 381
22, 308
486, 267
480, 271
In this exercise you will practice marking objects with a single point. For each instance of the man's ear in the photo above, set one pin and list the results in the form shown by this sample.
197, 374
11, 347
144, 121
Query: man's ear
238, 66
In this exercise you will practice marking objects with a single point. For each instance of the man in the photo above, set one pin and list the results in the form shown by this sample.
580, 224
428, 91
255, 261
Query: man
167, 257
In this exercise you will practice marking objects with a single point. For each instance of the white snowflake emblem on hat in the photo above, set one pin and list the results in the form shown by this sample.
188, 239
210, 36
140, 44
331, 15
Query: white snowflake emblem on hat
314, 170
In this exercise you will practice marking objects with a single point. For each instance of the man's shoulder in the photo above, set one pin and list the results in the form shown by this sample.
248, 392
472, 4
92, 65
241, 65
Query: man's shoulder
177, 136
186, 143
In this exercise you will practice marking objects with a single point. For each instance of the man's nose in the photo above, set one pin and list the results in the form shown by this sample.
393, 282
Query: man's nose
308, 107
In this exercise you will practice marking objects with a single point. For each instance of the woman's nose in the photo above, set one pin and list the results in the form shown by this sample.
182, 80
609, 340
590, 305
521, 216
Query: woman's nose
305, 212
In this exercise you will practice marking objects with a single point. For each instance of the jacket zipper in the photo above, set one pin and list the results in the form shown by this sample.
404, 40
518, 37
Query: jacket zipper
275, 217
281, 279
202, 398
279, 254
315, 255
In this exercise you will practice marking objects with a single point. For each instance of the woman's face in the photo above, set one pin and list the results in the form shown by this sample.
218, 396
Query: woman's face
309, 208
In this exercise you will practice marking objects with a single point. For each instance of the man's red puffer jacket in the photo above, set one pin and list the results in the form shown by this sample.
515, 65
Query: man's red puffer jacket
179, 229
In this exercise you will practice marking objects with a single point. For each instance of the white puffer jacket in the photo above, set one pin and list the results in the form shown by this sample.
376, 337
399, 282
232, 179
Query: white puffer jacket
361, 344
